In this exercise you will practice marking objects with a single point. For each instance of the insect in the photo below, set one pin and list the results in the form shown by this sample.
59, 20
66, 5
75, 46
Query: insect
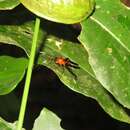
68, 64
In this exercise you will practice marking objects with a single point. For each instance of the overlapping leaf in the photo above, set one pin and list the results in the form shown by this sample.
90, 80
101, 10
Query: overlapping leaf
105, 37
12, 69
84, 83
20, 36
80, 80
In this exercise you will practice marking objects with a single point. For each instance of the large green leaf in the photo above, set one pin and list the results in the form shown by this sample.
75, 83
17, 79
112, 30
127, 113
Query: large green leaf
67, 12
108, 58
83, 83
47, 121
11, 72
7, 4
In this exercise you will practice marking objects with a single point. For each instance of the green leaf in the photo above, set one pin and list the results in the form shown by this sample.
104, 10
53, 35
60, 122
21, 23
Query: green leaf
79, 80
47, 121
7, 4
20, 36
4, 125
114, 18
17, 35
108, 58
54, 47
11, 72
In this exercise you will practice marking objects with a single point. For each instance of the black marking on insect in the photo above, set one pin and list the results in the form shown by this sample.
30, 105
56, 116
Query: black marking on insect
68, 64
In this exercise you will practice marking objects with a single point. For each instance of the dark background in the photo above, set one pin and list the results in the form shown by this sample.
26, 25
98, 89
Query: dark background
76, 111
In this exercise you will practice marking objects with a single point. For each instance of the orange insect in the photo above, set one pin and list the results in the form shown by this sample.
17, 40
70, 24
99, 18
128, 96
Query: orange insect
67, 63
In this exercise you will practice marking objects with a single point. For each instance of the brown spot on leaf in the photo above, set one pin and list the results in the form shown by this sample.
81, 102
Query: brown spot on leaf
126, 2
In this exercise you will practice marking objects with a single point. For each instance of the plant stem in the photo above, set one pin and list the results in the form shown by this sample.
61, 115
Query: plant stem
28, 77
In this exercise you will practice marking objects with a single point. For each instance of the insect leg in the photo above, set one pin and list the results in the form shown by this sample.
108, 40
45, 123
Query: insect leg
74, 66
70, 70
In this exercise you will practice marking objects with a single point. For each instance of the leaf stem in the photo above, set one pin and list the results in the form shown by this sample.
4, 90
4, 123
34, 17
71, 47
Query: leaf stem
28, 77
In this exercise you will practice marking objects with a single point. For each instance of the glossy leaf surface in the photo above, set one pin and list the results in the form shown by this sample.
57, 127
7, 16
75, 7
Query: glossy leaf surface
108, 51
7, 4
62, 11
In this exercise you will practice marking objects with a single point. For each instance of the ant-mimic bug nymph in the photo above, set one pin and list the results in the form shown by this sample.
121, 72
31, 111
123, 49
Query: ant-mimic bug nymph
67, 63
